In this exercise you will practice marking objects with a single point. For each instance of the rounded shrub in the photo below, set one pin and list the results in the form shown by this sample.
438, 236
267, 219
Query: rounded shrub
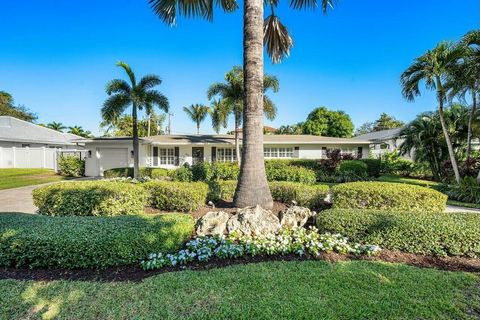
90, 198
373, 166
278, 171
34, 241
311, 196
183, 174
354, 166
454, 234
177, 196
161, 174
387, 196
221, 190
71, 166
126, 172
225, 171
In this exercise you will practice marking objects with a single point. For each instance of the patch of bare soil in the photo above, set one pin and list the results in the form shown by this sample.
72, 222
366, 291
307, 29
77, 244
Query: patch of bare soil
135, 273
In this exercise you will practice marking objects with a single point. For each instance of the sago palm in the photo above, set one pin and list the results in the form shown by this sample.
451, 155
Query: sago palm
252, 188
433, 68
137, 94
197, 113
231, 93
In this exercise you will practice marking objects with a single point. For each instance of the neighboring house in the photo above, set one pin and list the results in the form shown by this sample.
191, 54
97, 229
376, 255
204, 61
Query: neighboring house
171, 151
266, 130
21, 134
383, 141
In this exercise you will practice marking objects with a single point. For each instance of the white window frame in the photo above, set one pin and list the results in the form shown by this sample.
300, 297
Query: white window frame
166, 156
278, 152
226, 155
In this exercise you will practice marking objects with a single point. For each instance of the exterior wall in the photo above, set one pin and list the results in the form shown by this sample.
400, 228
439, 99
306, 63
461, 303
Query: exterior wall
11, 144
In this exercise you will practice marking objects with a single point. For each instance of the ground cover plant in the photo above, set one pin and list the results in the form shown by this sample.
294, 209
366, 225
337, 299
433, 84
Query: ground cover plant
266, 290
32, 241
442, 234
90, 198
387, 196
14, 178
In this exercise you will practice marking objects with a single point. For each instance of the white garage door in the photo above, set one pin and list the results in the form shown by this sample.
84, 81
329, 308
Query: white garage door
110, 158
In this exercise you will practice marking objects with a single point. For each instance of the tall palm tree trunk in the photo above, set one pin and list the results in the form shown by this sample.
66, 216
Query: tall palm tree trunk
148, 129
136, 167
470, 120
441, 98
237, 138
252, 188
198, 128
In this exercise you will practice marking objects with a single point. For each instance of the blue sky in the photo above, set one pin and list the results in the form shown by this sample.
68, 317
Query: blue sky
56, 56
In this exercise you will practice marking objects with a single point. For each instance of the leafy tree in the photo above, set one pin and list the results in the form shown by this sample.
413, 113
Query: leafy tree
58, 126
197, 113
386, 122
139, 95
252, 188
7, 108
291, 129
231, 93
78, 130
433, 68
324, 122
365, 128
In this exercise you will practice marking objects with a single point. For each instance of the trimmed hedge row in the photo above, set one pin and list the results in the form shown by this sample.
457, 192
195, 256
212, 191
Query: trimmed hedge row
35, 241
454, 234
281, 171
387, 196
177, 196
90, 198
155, 173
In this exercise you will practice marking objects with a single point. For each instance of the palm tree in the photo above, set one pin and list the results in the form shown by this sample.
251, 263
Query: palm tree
139, 95
219, 115
58, 126
231, 93
252, 187
197, 113
433, 68
78, 130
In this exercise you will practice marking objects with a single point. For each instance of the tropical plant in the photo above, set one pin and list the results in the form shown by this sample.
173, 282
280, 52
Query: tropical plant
122, 127
291, 129
78, 130
57, 126
219, 115
433, 68
386, 122
231, 93
252, 188
7, 108
139, 95
197, 113
324, 122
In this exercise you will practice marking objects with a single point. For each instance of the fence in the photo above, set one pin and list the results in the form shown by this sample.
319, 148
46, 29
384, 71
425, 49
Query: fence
34, 157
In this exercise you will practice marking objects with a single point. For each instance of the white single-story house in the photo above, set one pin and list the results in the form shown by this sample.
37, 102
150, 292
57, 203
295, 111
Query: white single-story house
383, 141
22, 134
172, 151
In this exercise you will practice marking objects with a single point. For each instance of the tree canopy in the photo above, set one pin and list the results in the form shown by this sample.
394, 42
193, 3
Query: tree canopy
324, 122
8, 108
384, 122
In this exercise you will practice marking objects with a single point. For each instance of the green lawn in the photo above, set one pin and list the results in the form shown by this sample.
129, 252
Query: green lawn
270, 290
13, 178
418, 182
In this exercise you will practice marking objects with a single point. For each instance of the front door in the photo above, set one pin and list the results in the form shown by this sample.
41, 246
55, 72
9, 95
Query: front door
197, 155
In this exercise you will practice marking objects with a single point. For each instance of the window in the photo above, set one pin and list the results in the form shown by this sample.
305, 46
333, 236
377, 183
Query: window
226, 155
163, 156
278, 152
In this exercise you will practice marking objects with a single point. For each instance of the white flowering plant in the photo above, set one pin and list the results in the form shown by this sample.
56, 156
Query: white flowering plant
299, 241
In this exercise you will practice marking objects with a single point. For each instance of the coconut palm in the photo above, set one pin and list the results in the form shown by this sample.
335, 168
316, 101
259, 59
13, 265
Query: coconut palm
219, 115
139, 95
433, 68
252, 187
58, 126
78, 130
231, 93
197, 113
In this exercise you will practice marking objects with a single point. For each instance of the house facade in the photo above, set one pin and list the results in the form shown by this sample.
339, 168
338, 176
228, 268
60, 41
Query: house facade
383, 141
172, 151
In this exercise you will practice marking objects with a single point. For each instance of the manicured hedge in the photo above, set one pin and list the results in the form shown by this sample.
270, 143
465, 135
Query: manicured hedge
155, 173
33, 241
177, 196
90, 198
221, 189
455, 234
280, 171
355, 166
373, 166
387, 196
311, 196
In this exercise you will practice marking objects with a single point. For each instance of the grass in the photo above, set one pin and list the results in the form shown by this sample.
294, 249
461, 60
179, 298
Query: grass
14, 178
399, 179
269, 290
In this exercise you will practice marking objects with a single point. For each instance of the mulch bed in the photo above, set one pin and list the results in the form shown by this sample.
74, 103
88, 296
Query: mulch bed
135, 273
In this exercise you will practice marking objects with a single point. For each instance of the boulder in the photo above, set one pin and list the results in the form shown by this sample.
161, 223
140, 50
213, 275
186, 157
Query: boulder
212, 223
253, 221
295, 216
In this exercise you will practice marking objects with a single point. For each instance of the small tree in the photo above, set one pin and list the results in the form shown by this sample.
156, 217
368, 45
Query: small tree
324, 122
197, 113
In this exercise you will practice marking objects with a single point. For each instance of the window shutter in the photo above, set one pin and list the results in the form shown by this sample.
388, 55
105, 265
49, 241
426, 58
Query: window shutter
214, 154
155, 156
177, 156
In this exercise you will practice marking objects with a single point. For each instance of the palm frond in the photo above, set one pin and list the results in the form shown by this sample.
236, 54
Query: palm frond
471, 38
270, 82
114, 106
312, 4
167, 10
276, 39
410, 80
227, 5
117, 86
149, 81
128, 70
269, 108
154, 97
217, 88
219, 115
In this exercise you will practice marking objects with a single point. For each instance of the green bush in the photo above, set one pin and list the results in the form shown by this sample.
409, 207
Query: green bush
71, 166
278, 171
222, 189
310, 196
373, 166
162, 174
177, 196
387, 196
202, 171
126, 172
183, 174
468, 190
90, 198
225, 171
33, 241
354, 166
455, 234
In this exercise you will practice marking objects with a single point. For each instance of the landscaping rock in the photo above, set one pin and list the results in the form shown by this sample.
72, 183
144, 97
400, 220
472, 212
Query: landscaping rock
295, 216
253, 221
212, 223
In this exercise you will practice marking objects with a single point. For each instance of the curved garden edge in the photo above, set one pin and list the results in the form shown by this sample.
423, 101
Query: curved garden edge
135, 273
